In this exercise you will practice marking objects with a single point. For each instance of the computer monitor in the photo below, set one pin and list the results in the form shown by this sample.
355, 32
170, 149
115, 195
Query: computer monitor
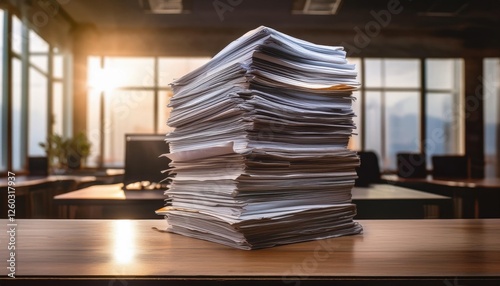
142, 162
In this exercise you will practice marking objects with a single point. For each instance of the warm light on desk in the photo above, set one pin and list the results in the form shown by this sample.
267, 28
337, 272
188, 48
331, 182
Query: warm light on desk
124, 240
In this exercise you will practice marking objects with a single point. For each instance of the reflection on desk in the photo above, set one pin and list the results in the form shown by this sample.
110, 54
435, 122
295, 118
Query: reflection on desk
400, 252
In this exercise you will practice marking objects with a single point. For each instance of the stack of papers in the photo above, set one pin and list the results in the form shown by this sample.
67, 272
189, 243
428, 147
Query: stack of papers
259, 146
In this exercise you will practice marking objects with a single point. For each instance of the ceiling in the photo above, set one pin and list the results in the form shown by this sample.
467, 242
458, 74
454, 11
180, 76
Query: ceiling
450, 16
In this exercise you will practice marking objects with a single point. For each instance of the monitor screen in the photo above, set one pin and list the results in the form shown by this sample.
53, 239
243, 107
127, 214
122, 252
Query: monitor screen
142, 161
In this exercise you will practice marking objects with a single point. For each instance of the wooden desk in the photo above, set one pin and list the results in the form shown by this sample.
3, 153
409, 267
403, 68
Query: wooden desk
110, 201
485, 183
34, 193
385, 201
377, 201
129, 252
30, 181
472, 198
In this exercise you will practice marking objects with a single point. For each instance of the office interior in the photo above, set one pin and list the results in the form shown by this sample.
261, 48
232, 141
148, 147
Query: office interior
429, 74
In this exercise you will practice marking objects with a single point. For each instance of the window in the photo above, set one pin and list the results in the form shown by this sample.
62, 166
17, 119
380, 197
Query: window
129, 95
389, 107
19, 100
444, 124
392, 107
491, 89
36, 95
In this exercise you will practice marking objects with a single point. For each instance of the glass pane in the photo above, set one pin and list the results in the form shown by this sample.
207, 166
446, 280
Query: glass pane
94, 110
164, 111
402, 73
57, 108
174, 68
440, 73
121, 72
37, 113
442, 134
355, 141
373, 73
58, 66
402, 128
17, 34
125, 112
373, 122
41, 62
491, 90
93, 126
37, 44
17, 118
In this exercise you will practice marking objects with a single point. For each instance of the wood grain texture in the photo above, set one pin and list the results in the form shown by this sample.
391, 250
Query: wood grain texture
131, 248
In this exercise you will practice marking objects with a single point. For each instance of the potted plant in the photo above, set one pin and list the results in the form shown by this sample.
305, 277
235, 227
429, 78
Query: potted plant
63, 153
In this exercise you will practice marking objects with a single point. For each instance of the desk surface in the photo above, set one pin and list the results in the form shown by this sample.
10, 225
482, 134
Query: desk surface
28, 181
107, 193
115, 192
415, 249
391, 192
486, 183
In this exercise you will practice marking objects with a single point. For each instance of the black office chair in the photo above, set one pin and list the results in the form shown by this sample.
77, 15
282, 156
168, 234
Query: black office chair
450, 167
411, 165
368, 170
38, 166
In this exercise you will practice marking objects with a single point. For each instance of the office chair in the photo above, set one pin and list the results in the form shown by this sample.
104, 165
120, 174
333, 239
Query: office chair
450, 167
38, 166
368, 170
411, 165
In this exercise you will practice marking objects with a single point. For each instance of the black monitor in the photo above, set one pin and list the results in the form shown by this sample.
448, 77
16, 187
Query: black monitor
142, 162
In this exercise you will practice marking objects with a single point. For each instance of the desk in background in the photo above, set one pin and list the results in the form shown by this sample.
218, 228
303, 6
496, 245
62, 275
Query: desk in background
472, 198
375, 202
34, 194
130, 252
110, 201
385, 201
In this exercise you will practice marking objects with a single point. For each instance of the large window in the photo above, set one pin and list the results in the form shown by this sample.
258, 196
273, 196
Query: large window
389, 107
128, 95
32, 81
491, 92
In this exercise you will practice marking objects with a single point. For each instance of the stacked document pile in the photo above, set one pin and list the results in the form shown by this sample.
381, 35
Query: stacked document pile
259, 148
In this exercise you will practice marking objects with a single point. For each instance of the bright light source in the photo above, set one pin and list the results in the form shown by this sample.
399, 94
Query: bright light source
103, 80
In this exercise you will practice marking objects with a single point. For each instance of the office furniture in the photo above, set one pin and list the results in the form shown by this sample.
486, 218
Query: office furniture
411, 165
34, 194
385, 201
450, 167
110, 201
130, 252
377, 201
38, 166
368, 170
472, 198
